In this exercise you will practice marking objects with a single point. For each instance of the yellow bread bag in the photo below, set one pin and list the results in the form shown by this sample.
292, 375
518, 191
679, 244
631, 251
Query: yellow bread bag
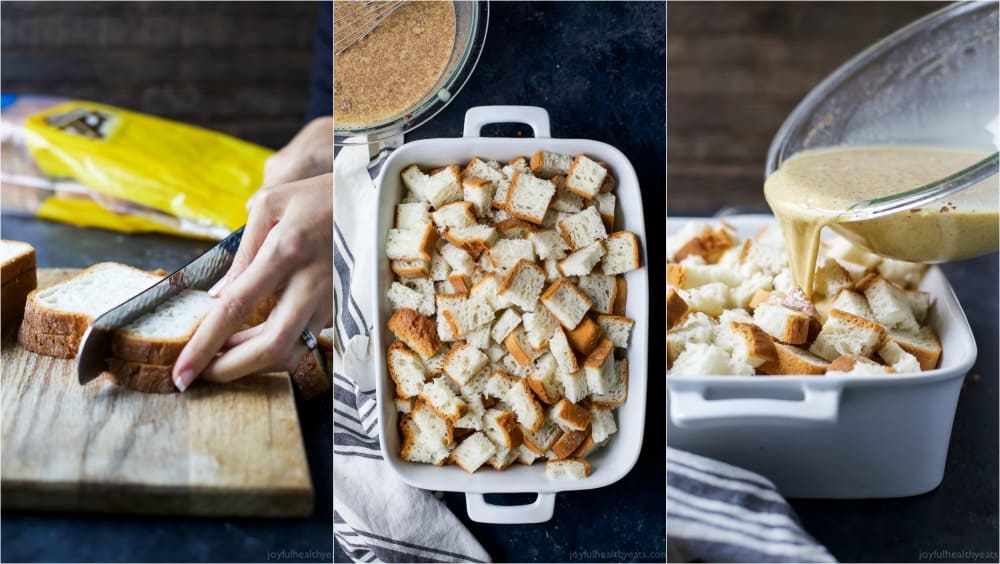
96, 165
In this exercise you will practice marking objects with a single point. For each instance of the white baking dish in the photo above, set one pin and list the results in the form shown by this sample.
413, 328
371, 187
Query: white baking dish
609, 464
831, 436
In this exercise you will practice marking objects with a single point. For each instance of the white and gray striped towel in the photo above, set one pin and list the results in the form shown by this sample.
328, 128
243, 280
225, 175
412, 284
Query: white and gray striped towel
377, 518
720, 513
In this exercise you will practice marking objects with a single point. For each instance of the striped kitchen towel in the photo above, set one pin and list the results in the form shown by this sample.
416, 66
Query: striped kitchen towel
720, 513
377, 518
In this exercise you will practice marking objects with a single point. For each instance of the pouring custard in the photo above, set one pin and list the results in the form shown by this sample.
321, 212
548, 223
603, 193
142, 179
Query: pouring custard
815, 189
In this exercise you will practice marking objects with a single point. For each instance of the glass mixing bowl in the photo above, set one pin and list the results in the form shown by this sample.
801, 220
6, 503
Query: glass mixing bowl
471, 22
932, 83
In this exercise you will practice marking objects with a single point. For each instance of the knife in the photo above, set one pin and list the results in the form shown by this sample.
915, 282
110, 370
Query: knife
200, 274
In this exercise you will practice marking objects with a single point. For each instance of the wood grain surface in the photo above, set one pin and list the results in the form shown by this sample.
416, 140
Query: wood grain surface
233, 449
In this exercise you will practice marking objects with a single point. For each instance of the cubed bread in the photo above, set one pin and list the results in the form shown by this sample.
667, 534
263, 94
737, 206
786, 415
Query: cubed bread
568, 442
583, 228
900, 360
528, 197
416, 331
599, 367
412, 216
463, 362
570, 468
617, 393
523, 285
749, 343
479, 192
564, 200
677, 308
443, 302
586, 177
522, 402
542, 379
473, 452
410, 268
411, 244
783, 323
924, 345
582, 261
906, 275
852, 302
548, 243
527, 456
504, 324
547, 165
585, 337
889, 303
573, 384
709, 245
601, 289
853, 365
570, 416
455, 214
791, 360
443, 187
465, 315
401, 296
566, 302
458, 259
405, 369
502, 429
847, 334
539, 325
602, 423
414, 180
518, 346
506, 253
563, 352
616, 328
606, 202
622, 253
690, 276
442, 400
920, 303
474, 238
541, 440
700, 359
830, 278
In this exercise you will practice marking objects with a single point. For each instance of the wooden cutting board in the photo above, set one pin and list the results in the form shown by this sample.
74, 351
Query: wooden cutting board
232, 449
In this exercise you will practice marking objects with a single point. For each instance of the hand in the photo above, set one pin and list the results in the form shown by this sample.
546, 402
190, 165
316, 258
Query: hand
287, 247
308, 154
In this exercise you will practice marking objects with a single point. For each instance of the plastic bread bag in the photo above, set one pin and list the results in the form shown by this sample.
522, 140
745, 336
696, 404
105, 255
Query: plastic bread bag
94, 165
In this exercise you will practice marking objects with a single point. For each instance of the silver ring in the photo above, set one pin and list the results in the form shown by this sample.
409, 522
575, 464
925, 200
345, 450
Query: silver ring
309, 339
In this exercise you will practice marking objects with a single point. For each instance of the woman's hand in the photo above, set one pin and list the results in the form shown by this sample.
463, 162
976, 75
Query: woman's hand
287, 247
308, 154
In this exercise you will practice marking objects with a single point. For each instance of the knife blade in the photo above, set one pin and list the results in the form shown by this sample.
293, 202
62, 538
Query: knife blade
200, 274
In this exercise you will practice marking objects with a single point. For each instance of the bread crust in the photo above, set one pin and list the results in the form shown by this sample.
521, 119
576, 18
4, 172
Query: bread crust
569, 442
19, 264
418, 332
146, 378
48, 344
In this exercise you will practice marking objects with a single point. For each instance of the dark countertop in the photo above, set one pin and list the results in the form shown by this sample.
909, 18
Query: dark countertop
957, 522
59, 537
598, 68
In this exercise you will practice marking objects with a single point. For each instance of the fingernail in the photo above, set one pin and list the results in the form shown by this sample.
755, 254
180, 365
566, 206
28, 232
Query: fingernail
217, 288
183, 380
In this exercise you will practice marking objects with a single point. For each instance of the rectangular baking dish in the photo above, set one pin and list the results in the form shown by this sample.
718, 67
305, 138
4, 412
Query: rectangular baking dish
831, 436
610, 463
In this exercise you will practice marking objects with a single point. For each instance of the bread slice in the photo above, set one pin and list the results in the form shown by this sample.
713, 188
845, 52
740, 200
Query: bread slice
602, 291
523, 284
847, 334
582, 229
569, 468
566, 302
586, 177
473, 452
570, 416
417, 331
582, 261
622, 253
528, 197
142, 377
791, 360
49, 344
159, 336
547, 165
16, 257
69, 307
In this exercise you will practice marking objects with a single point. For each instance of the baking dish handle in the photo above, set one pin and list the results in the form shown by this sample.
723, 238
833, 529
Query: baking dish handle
481, 116
818, 407
538, 511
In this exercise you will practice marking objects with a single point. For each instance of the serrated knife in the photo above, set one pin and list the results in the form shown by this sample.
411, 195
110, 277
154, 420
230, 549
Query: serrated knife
200, 274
